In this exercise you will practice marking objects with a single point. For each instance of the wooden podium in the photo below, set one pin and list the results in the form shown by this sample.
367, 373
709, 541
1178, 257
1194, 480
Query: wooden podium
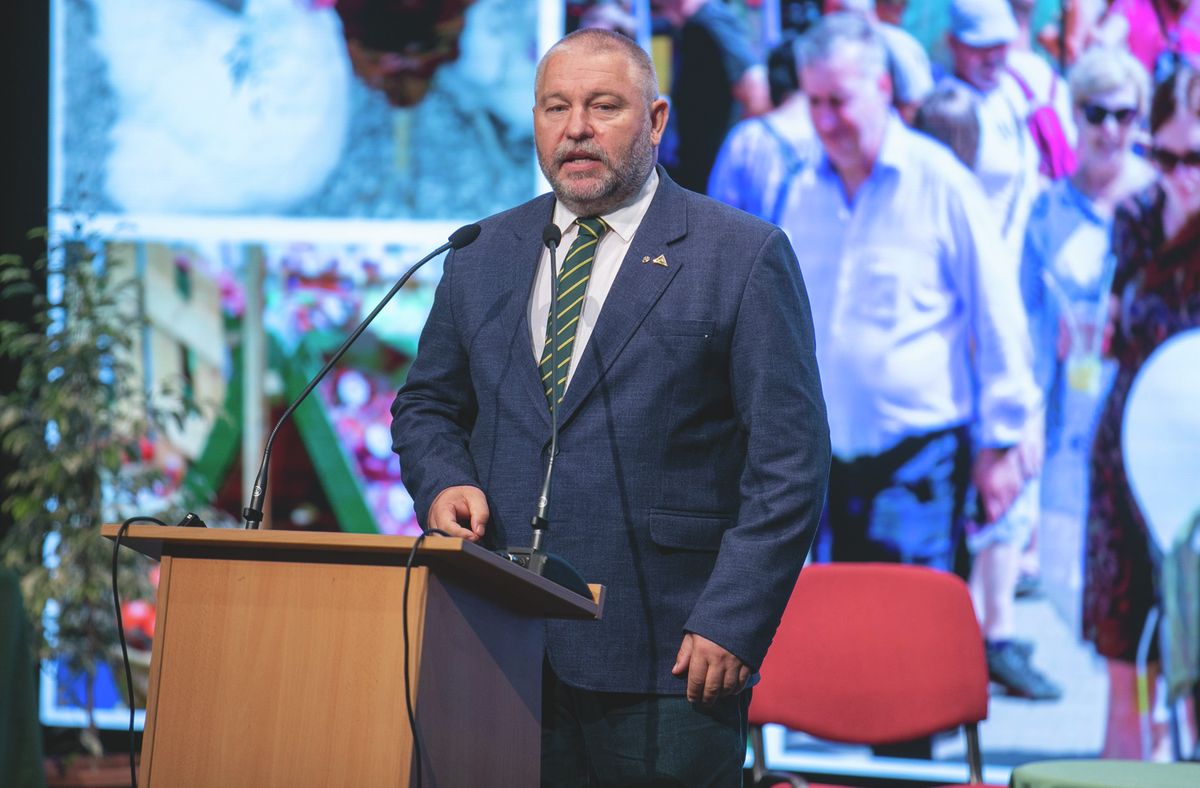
278, 660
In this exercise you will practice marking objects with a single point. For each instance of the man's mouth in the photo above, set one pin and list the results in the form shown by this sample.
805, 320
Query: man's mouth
578, 160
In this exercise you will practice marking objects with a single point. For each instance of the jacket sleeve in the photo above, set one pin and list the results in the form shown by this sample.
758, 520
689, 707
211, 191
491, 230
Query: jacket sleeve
434, 412
777, 393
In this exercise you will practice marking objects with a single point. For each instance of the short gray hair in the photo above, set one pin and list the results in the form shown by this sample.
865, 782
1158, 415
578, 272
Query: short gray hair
835, 32
1102, 70
595, 40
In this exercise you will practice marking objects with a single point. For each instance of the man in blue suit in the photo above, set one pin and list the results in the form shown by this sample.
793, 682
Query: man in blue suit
694, 448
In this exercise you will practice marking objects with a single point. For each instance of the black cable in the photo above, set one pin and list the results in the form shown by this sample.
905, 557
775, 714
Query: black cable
408, 699
121, 634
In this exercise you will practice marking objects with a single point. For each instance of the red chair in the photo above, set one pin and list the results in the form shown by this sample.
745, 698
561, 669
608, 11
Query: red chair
873, 654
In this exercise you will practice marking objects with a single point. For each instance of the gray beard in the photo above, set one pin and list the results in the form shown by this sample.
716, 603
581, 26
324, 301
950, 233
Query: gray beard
615, 192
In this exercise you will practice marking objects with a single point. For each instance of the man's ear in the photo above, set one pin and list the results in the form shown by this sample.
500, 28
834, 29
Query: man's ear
659, 110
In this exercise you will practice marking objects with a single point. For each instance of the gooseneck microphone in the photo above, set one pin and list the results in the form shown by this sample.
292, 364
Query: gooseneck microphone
534, 558
551, 237
253, 513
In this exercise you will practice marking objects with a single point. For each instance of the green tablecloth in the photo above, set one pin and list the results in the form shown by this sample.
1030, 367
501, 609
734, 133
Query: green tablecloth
1105, 774
20, 733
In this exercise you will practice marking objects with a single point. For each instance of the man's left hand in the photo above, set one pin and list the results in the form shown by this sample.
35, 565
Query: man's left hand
711, 671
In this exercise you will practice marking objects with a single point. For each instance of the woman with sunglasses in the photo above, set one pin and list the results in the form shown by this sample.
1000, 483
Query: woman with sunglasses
1155, 294
1066, 268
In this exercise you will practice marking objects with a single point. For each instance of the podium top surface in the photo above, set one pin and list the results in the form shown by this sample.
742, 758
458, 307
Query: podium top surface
458, 557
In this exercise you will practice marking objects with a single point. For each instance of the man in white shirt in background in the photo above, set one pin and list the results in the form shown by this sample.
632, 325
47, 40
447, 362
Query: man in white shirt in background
1036, 72
981, 34
920, 331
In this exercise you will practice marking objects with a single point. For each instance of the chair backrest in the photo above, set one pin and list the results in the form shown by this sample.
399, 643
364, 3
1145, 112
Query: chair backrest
1159, 434
873, 654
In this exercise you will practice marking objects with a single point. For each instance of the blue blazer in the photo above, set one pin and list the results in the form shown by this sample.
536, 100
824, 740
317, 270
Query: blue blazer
693, 445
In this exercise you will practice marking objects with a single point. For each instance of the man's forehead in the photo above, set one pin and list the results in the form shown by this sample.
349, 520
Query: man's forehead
844, 64
598, 68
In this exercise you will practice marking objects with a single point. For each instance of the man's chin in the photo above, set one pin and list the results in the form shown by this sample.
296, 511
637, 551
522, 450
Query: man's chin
842, 153
583, 191
988, 83
590, 181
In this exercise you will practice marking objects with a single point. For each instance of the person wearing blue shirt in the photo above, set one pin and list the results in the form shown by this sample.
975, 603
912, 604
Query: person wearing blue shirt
761, 155
1066, 277
1066, 267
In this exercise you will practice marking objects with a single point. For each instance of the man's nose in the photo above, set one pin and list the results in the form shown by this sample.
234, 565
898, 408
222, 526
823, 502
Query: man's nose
579, 125
824, 119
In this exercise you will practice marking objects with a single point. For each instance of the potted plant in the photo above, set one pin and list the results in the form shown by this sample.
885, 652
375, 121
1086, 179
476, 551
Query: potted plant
79, 425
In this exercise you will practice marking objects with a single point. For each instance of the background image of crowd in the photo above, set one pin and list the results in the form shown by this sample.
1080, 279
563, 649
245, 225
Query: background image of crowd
997, 233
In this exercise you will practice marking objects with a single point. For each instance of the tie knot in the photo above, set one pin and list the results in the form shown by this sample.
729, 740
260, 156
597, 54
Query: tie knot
593, 226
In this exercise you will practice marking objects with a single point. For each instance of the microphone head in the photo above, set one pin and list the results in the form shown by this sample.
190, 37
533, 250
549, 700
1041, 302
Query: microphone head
463, 236
551, 235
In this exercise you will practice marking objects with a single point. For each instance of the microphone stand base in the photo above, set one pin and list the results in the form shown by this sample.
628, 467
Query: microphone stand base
549, 566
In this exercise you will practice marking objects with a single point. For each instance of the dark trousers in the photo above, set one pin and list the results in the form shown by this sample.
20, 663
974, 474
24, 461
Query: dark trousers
902, 506
605, 738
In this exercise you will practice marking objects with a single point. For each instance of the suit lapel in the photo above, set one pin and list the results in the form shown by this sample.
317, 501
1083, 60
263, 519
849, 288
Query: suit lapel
634, 292
524, 256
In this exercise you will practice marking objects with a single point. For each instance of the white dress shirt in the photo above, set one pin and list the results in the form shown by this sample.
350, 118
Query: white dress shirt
622, 224
917, 312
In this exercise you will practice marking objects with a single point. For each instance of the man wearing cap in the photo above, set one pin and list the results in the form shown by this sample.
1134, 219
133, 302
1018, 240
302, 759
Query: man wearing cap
981, 33
1046, 85
980, 37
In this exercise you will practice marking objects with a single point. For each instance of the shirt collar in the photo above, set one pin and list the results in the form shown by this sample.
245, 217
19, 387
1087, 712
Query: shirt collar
980, 95
625, 220
894, 149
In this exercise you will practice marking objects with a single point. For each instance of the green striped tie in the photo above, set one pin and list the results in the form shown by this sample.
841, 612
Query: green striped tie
573, 277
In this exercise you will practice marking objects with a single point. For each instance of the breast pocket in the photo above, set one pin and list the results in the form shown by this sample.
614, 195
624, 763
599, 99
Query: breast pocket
684, 346
686, 329
877, 284
878, 296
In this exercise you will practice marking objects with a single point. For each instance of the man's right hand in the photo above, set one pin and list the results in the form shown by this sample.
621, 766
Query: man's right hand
461, 512
998, 477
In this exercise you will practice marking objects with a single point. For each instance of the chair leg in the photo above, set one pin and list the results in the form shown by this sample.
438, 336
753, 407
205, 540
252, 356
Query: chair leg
974, 754
759, 769
761, 777
1141, 664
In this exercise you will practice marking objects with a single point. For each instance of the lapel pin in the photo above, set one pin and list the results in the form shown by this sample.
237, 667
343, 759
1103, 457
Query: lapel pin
646, 259
660, 260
